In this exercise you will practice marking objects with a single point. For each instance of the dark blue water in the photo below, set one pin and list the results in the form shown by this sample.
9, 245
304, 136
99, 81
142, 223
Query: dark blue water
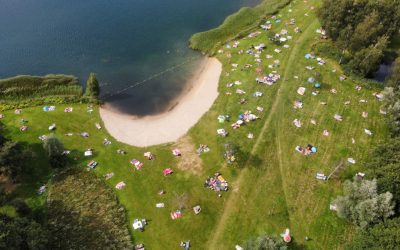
123, 41
382, 73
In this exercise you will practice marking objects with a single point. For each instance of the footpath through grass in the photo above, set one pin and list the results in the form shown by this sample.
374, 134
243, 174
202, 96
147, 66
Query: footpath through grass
274, 187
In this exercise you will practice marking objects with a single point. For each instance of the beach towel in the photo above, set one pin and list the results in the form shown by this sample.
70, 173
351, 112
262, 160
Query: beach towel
301, 90
167, 171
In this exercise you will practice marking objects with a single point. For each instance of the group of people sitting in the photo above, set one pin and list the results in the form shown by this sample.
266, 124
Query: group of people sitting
216, 183
309, 149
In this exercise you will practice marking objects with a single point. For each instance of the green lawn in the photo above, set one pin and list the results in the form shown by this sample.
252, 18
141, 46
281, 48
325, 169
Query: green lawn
273, 188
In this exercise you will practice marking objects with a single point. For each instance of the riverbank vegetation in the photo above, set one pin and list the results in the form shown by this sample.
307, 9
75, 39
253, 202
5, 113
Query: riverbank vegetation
235, 26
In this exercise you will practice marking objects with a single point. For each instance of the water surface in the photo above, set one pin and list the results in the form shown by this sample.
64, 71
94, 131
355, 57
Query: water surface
123, 41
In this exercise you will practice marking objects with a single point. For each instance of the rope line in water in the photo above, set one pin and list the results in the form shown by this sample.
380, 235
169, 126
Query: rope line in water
136, 84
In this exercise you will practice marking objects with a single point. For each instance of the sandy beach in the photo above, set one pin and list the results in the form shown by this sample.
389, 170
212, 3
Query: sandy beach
173, 124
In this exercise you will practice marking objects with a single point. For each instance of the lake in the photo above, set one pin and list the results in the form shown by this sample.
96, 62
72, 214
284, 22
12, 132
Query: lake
123, 41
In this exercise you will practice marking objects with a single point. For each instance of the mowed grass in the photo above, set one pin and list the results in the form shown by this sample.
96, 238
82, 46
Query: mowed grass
272, 188
278, 189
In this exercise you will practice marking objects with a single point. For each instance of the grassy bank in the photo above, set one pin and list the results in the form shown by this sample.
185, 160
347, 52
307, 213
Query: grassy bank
235, 26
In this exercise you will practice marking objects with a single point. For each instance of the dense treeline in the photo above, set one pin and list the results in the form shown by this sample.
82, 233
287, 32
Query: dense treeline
362, 29
13, 158
379, 205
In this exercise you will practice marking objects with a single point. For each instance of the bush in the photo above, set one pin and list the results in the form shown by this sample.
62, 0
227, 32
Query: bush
54, 149
362, 205
266, 242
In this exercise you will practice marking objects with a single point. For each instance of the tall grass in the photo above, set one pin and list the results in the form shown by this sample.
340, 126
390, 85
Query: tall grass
21, 87
244, 20
24, 91
84, 213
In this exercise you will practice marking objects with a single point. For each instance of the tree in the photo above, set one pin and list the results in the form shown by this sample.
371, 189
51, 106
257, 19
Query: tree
21, 207
384, 235
266, 242
92, 86
367, 60
22, 233
394, 77
55, 151
385, 167
392, 105
12, 159
366, 32
362, 205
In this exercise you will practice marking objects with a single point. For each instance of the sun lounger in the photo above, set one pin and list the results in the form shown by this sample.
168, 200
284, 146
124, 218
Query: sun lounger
92, 164
160, 205
301, 90
88, 152
320, 176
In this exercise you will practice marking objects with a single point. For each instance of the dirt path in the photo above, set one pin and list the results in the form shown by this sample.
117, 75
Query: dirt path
232, 200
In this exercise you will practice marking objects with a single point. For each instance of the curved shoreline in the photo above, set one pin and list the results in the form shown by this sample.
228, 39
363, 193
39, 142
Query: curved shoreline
174, 123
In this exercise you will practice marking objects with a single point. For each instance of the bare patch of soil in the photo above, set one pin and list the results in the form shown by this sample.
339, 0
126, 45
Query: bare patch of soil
189, 160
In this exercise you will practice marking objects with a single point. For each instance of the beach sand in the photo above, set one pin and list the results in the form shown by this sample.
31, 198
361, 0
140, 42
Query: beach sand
174, 123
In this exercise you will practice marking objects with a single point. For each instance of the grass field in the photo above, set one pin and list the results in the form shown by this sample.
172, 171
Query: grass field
273, 188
